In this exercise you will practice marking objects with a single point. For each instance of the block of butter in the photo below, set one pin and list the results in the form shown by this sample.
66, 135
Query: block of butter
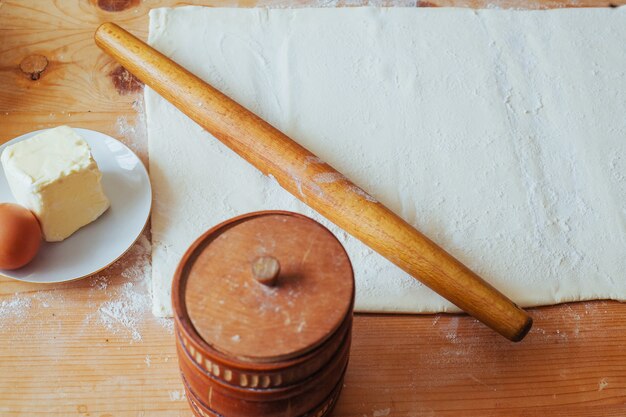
55, 176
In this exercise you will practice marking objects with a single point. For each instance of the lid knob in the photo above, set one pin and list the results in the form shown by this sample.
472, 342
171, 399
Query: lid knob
265, 270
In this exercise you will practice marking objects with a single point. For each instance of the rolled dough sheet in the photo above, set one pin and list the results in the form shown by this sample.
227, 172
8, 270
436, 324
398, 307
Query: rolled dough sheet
500, 134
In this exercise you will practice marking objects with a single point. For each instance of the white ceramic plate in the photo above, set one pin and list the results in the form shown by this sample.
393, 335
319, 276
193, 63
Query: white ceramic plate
99, 244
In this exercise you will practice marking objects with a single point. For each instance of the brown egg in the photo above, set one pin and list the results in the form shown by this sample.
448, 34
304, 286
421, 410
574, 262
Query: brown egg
20, 236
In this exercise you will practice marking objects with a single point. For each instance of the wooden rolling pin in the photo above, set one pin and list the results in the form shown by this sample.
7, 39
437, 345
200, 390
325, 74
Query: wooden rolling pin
316, 183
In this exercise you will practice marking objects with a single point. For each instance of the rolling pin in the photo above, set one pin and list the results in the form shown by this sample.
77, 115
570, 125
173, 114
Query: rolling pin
315, 183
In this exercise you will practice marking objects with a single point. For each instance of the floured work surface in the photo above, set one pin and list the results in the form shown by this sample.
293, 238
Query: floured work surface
499, 134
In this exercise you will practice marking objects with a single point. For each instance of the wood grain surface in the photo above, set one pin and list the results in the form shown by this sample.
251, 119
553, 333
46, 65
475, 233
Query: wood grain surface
65, 350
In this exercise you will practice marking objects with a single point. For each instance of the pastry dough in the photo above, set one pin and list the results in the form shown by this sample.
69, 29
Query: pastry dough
500, 134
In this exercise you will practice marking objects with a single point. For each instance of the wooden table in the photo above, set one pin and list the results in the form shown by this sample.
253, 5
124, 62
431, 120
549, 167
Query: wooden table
92, 347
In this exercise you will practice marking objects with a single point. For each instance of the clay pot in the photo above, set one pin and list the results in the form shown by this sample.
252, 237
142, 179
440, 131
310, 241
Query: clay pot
263, 314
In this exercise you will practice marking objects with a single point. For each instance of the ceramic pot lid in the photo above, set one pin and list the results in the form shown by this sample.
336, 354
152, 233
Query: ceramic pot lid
267, 286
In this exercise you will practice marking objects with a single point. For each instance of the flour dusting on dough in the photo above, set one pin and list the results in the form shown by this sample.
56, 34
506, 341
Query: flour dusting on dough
497, 150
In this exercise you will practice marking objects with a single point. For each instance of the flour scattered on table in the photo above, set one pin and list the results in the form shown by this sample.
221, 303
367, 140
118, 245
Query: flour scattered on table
100, 282
453, 326
134, 135
125, 311
166, 323
50, 299
14, 309
128, 304
177, 395
32, 306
